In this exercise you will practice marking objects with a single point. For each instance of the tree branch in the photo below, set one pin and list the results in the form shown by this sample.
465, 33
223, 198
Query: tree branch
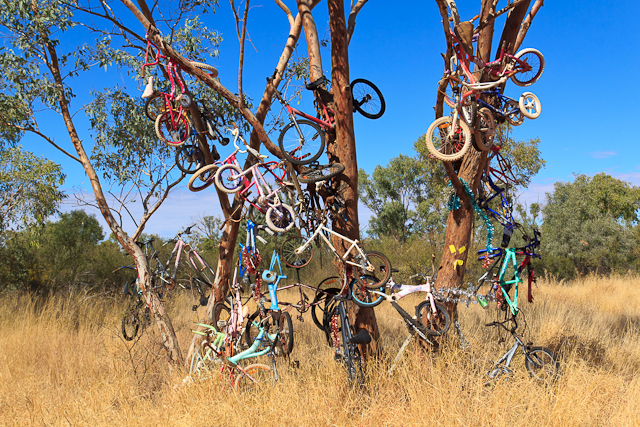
524, 27
352, 18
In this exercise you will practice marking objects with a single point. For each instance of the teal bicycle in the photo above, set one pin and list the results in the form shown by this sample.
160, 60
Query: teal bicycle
215, 352
274, 317
501, 286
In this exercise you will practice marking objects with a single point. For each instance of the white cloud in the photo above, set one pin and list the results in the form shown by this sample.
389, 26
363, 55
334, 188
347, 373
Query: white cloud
602, 154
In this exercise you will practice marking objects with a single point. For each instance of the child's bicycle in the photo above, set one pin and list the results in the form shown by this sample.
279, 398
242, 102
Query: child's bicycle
540, 362
302, 141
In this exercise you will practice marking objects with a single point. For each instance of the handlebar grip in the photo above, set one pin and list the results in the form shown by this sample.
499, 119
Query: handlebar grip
492, 324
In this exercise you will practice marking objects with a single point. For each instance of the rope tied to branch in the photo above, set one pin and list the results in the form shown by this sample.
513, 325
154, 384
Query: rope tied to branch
454, 204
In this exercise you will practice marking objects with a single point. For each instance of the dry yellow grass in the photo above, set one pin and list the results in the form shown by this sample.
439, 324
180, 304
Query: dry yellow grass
63, 363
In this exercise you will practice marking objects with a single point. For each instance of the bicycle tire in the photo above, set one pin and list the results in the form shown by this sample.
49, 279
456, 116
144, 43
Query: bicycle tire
189, 158
323, 299
286, 331
202, 178
534, 58
289, 256
485, 128
259, 372
355, 372
362, 297
214, 70
155, 106
546, 364
324, 290
530, 105
436, 325
227, 178
454, 147
378, 263
320, 173
301, 150
221, 313
469, 111
515, 116
170, 134
280, 218
130, 324
367, 99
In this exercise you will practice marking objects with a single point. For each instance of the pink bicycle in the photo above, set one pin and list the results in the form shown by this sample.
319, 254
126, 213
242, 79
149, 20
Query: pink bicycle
167, 110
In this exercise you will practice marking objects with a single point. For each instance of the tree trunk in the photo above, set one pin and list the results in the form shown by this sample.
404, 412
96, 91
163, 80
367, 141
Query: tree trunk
344, 151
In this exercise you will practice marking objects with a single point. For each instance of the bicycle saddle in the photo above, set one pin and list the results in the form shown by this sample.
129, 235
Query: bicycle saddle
362, 337
316, 84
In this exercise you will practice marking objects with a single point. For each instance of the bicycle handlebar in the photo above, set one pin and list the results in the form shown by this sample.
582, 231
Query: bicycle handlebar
511, 319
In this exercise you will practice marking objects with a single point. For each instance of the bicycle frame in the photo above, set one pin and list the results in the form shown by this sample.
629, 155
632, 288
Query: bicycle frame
273, 279
261, 184
321, 231
504, 101
292, 112
506, 217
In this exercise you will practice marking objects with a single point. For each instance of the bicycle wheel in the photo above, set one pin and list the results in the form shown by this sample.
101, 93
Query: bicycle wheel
130, 324
173, 132
221, 314
213, 71
155, 106
321, 301
228, 178
321, 173
280, 218
354, 368
202, 178
289, 255
468, 111
361, 295
304, 146
530, 105
374, 271
251, 378
448, 144
513, 114
436, 323
189, 158
485, 128
543, 365
533, 58
286, 333
367, 99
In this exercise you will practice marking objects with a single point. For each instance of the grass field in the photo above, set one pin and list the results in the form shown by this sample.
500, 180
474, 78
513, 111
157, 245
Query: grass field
62, 362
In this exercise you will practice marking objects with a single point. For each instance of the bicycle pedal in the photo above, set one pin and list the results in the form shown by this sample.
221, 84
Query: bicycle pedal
300, 318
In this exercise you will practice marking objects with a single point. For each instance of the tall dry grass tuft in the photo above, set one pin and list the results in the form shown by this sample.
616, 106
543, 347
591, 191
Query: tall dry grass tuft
63, 362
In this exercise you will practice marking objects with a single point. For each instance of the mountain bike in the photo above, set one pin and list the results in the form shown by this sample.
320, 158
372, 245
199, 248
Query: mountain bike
297, 252
500, 285
540, 362
344, 342
204, 274
303, 141
137, 314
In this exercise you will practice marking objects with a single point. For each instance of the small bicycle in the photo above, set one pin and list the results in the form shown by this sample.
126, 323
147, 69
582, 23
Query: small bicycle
540, 362
303, 141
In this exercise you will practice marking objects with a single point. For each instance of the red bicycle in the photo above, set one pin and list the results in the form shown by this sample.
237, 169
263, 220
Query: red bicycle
302, 141
167, 110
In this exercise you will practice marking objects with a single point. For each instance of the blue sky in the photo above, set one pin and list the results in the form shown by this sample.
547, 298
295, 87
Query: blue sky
591, 54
